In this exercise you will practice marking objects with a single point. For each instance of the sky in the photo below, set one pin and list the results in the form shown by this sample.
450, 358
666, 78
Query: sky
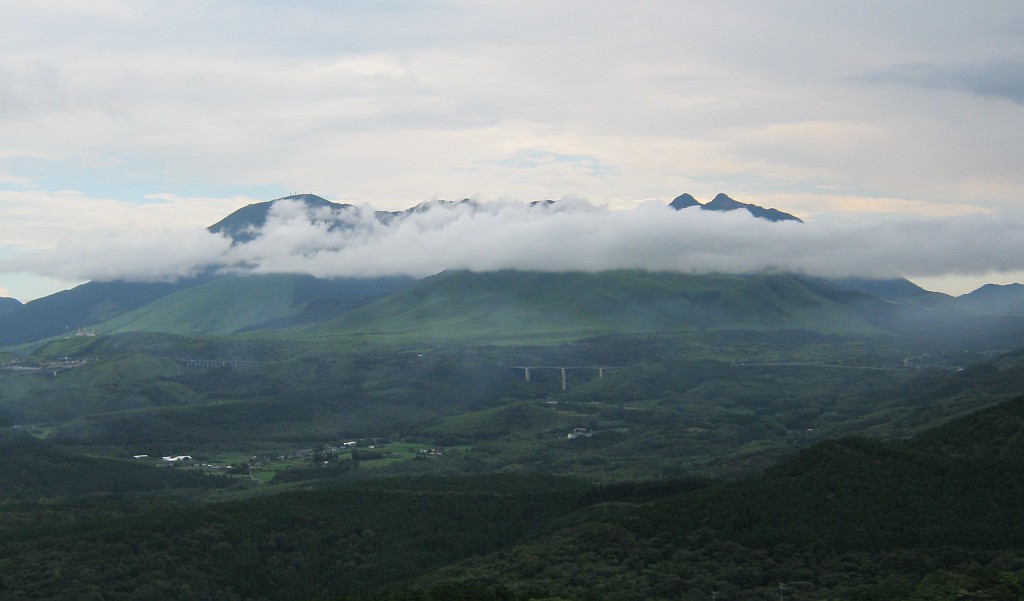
891, 129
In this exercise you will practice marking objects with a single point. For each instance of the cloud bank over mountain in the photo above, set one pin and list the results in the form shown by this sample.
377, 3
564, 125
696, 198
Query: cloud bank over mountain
571, 235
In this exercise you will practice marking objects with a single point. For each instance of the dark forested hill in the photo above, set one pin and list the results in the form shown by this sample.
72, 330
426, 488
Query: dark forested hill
32, 470
845, 519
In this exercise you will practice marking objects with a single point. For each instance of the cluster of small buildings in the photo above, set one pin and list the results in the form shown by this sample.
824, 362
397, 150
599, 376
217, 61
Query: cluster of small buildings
170, 459
580, 433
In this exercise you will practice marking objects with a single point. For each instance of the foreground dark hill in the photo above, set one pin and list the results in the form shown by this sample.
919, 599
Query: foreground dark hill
32, 469
994, 434
520, 304
952, 485
845, 519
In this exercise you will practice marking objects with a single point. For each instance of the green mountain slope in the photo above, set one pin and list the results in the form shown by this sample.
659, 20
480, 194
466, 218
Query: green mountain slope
233, 304
81, 307
518, 304
218, 307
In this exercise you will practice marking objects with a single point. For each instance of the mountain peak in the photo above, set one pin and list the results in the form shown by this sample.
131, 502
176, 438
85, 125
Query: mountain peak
722, 202
239, 226
9, 305
309, 199
684, 201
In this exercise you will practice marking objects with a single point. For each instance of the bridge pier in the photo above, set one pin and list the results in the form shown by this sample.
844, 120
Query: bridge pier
564, 384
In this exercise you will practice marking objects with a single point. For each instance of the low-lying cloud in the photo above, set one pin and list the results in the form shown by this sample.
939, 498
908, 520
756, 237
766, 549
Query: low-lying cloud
570, 235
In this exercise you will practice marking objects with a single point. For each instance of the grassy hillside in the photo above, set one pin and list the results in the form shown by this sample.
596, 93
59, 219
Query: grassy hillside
511, 305
81, 307
501, 307
233, 304
217, 307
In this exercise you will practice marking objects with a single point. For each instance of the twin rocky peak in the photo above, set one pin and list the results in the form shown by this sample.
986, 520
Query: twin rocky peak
724, 203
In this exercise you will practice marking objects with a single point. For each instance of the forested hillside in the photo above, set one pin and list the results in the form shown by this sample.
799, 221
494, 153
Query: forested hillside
847, 519
515, 435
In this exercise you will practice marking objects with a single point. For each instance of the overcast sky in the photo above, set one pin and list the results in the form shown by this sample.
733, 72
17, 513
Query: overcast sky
125, 125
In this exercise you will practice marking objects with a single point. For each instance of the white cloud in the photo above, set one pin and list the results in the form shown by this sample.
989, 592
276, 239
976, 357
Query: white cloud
912, 106
40, 220
150, 256
569, 236
393, 102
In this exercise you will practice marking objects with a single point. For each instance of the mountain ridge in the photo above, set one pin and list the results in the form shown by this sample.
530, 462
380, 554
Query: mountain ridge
469, 304
723, 203
995, 298
8, 305
883, 305
240, 224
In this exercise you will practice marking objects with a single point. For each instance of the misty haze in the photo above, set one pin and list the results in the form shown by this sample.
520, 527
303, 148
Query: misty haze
511, 301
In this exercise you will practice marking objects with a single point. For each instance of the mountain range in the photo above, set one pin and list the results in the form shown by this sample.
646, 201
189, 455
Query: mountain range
744, 436
552, 305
